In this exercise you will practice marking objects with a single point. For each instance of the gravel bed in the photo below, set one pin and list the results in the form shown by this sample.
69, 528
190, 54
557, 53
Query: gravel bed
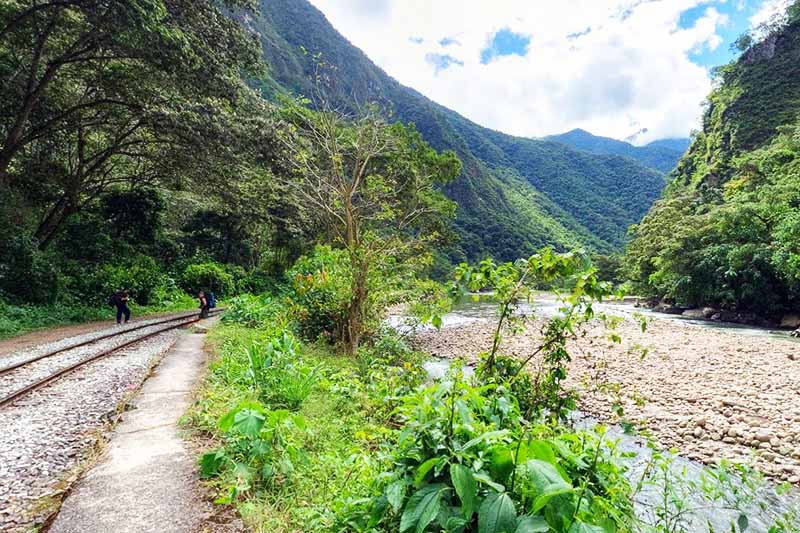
709, 393
47, 435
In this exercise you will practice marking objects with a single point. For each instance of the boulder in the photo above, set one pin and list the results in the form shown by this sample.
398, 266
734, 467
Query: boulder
664, 307
694, 313
791, 321
796, 333
708, 312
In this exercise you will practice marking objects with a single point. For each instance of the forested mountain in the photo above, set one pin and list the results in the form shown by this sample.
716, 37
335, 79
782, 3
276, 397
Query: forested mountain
661, 155
727, 232
514, 194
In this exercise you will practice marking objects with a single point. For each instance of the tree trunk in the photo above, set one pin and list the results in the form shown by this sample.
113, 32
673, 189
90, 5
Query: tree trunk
355, 313
52, 222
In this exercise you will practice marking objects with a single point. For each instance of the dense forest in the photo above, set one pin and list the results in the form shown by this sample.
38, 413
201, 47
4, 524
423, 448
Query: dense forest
727, 230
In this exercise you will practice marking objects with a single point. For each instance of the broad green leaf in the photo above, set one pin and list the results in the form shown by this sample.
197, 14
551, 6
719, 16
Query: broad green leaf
300, 422
486, 480
501, 462
544, 477
488, 436
497, 514
248, 422
395, 494
542, 450
227, 421
211, 463
532, 524
581, 527
422, 508
424, 468
466, 488
544, 498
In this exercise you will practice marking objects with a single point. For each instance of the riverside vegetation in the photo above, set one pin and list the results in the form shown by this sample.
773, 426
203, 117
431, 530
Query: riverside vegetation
725, 234
305, 440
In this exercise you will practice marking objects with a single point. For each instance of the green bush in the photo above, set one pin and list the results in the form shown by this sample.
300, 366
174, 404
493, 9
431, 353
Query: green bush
260, 312
464, 463
209, 277
277, 375
321, 293
26, 274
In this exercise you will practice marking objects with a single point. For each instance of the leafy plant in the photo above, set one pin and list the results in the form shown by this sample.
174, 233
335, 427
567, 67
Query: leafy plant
514, 283
464, 462
277, 375
261, 447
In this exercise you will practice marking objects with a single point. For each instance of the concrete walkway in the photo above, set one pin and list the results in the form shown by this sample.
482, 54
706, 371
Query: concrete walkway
147, 480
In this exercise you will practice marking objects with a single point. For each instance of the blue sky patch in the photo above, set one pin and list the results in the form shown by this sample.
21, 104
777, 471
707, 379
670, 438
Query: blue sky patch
738, 13
447, 41
505, 43
442, 62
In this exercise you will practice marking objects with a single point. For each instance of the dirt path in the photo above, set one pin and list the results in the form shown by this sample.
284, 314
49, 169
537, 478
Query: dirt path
710, 393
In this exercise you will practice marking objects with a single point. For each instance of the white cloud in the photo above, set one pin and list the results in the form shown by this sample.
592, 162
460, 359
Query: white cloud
629, 67
769, 11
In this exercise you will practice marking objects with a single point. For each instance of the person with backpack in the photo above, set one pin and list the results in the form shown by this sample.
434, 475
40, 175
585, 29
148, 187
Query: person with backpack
120, 301
203, 304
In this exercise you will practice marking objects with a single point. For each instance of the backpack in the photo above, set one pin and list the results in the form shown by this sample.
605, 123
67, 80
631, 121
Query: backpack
112, 300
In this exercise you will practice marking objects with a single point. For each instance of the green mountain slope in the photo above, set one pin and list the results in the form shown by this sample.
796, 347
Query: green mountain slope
515, 194
661, 155
727, 232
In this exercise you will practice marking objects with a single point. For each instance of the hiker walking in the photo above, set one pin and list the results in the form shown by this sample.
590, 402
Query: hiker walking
204, 306
120, 301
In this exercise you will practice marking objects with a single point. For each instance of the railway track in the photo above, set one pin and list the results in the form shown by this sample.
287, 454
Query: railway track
13, 382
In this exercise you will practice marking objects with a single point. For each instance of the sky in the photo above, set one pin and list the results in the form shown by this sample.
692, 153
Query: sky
627, 69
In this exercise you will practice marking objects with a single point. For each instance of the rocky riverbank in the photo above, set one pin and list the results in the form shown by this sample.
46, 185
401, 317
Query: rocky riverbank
712, 394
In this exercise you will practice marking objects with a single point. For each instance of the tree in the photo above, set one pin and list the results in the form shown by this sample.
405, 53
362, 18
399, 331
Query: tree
102, 93
374, 188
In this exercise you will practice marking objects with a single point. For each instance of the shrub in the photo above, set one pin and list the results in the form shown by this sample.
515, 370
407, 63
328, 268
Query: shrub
26, 274
207, 277
464, 463
321, 293
277, 375
260, 448
256, 312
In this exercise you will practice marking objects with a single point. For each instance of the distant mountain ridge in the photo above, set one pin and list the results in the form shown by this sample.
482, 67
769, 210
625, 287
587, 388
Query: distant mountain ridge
662, 155
515, 194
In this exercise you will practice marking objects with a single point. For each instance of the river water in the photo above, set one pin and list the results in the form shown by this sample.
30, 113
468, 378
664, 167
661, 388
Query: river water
764, 503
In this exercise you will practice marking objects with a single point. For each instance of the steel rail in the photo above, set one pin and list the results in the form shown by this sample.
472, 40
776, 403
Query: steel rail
6, 369
105, 353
